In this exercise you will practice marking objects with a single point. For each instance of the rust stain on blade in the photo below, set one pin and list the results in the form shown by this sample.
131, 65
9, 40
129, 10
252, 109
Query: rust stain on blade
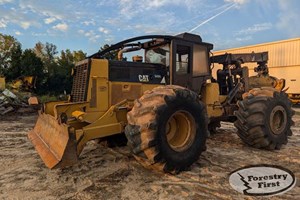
50, 139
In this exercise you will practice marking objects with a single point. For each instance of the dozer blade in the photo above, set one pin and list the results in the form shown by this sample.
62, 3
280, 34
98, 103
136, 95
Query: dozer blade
54, 142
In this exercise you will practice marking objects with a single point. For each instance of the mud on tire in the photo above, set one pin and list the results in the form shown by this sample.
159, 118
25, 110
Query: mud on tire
264, 118
167, 128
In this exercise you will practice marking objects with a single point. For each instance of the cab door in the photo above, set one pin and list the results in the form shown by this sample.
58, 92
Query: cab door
181, 62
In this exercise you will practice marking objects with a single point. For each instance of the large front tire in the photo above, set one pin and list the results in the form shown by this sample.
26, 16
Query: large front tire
264, 118
167, 128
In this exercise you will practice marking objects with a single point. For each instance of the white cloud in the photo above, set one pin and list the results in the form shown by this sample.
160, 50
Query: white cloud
24, 24
91, 35
39, 34
240, 2
289, 17
113, 21
151, 22
15, 16
18, 33
241, 39
158, 3
5, 1
237, 3
128, 9
49, 20
190, 4
132, 8
81, 31
87, 23
103, 30
166, 21
100, 3
109, 39
254, 29
43, 8
61, 27
3, 23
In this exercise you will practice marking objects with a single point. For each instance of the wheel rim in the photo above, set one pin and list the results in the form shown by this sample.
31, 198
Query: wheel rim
278, 119
180, 131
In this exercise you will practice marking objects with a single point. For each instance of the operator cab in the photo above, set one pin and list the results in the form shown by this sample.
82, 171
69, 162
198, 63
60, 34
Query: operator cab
176, 60
190, 61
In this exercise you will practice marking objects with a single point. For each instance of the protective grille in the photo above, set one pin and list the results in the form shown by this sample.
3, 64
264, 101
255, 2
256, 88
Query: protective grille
80, 81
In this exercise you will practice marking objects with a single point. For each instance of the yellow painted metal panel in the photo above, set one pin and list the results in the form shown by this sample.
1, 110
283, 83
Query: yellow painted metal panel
2, 83
211, 98
127, 90
124, 90
98, 86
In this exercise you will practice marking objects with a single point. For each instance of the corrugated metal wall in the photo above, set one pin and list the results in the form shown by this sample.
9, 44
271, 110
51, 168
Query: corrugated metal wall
284, 60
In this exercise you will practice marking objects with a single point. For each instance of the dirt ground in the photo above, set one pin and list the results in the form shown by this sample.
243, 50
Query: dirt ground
105, 173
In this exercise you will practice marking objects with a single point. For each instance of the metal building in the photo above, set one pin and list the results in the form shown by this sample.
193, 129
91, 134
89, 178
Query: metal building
284, 62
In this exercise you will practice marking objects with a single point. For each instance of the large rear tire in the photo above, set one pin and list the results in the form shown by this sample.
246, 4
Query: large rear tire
167, 128
264, 118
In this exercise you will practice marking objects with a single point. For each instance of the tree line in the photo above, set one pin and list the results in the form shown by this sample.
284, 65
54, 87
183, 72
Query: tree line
51, 68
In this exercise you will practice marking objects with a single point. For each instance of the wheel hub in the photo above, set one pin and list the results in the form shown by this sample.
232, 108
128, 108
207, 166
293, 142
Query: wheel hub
278, 120
180, 130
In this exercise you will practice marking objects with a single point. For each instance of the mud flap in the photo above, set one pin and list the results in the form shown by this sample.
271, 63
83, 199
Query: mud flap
54, 142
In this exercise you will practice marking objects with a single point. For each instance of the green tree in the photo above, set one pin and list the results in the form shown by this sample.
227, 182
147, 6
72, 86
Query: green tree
15, 69
53, 72
47, 53
79, 55
58, 68
31, 65
39, 50
10, 57
112, 55
66, 63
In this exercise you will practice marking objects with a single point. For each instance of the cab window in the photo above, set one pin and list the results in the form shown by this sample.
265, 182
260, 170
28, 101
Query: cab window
182, 59
159, 55
200, 60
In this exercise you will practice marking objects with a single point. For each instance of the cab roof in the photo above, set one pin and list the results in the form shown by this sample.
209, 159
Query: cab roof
152, 40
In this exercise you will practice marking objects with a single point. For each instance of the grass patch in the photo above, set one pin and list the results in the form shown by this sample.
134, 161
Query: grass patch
47, 98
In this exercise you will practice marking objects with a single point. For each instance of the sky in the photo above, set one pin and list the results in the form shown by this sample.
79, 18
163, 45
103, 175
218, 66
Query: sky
89, 24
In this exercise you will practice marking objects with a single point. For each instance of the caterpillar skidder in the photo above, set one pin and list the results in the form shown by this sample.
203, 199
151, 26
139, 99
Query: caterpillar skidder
166, 102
